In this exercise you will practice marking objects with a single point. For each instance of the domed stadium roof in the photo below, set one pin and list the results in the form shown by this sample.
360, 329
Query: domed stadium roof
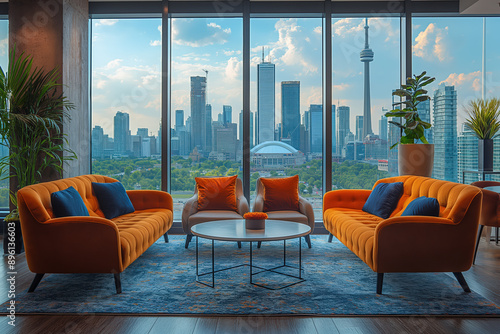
275, 147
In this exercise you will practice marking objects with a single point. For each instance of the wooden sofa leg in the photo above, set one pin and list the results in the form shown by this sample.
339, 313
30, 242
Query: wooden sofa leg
165, 236
36, 281
477, 242
330, 237
259, 243
308, 240
460, 278
239, 244
380, 281
118, 283
188, 240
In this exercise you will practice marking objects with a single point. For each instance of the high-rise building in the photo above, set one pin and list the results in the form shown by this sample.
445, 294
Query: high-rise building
225, 140
265, 102
343, 127
179, 119
424, 111
227, 114
445, 133
316, 128
122, 132
366, 57
334, 131
251, 128
207, 148
143, 132
97, 142
382, 125
198, 113
290, 112
359, 128
467, 144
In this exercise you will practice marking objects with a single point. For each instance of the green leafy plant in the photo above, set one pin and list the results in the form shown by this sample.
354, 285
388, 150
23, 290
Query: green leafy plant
484, 117
412, 94
32, 109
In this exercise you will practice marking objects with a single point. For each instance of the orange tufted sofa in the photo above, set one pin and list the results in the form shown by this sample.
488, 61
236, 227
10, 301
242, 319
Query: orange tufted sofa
409, 243
91, 244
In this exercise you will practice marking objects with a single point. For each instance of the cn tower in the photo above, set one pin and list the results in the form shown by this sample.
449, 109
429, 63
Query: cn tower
366, 57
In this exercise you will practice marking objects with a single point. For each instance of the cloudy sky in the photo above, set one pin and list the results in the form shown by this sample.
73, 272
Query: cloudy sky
126, 62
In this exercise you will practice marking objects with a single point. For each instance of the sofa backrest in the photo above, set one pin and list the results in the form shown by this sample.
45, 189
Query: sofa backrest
37, 197
454, 198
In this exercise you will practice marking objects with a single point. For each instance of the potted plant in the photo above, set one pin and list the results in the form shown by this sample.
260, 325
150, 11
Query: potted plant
415, 154
484, 120
32, 109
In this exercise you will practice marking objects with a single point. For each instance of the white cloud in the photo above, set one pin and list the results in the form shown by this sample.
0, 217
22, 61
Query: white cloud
197, 32
431, 43
233, 69
132, 89
106, 22
158, 41
293, 48
469, 80
114, 63
231, 52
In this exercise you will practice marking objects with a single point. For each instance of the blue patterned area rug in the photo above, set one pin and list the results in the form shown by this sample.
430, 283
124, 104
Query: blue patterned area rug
162, 281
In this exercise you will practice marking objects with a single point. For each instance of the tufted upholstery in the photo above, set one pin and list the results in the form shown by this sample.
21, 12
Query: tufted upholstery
89, 244
411, 243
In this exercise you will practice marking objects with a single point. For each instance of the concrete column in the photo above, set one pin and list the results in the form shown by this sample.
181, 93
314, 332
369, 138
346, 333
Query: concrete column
55, 32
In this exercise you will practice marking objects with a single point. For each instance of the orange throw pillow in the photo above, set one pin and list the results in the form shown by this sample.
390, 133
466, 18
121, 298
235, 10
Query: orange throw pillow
217, 193
281, 193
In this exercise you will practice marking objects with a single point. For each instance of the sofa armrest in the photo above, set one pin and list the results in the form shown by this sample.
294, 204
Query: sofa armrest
345, 198
190, 208
242, 205
258, 204
150, 199
74, 245
422, 244
305, 207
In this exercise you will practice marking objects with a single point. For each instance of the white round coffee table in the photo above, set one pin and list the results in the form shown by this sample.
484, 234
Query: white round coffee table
234, 230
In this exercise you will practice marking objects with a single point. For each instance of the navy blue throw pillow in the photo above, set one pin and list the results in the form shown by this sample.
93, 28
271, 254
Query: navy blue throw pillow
422, 206
384, 199
68, 202
113, 199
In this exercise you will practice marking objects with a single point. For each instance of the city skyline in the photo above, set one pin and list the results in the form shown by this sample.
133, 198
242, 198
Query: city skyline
111, 61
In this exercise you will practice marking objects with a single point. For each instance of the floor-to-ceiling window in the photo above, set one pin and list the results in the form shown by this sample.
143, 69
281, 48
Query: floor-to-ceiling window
492, 75
205, 102
126, 101
286, 102
365, 70
205, 96
450, 49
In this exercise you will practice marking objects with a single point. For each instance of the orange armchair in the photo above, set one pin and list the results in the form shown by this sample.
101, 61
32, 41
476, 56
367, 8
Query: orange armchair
304, 215
490, 213
192, 216
90, 244
409, 243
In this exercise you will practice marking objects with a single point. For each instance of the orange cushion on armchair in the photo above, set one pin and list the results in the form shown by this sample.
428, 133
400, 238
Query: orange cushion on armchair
216, 193
281, 193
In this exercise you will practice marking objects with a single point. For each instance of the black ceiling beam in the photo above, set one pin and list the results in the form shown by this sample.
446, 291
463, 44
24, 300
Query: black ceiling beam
235, 8
4, 8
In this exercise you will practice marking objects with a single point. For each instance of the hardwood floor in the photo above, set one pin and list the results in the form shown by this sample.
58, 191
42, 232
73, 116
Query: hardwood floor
482, 278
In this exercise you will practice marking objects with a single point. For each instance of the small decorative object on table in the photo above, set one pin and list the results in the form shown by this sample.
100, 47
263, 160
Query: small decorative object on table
255, 220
